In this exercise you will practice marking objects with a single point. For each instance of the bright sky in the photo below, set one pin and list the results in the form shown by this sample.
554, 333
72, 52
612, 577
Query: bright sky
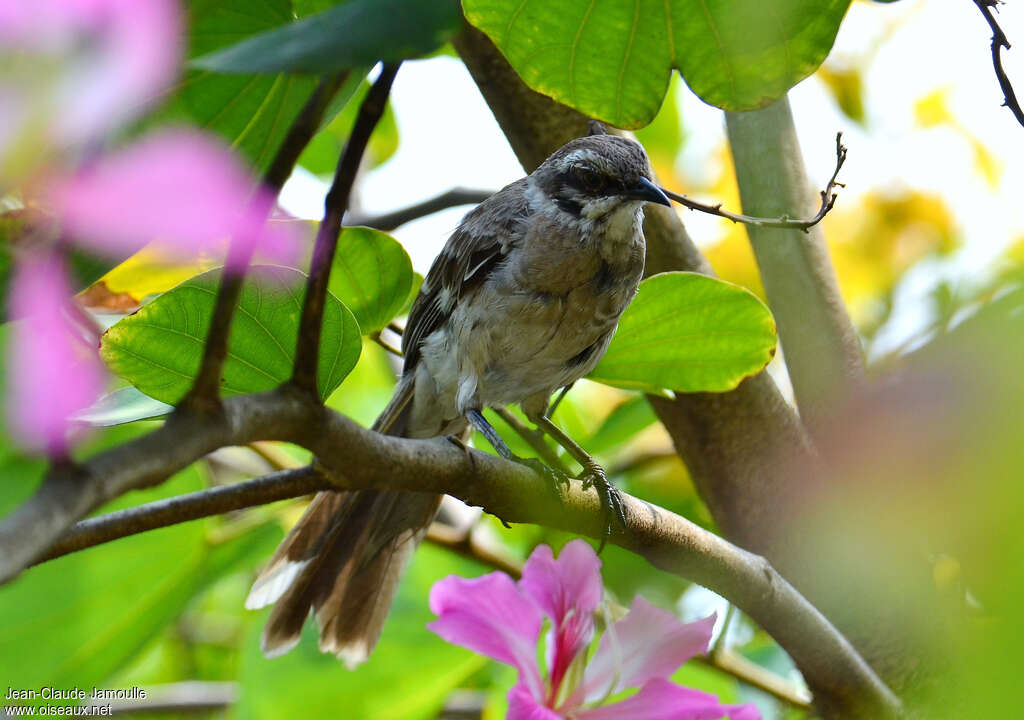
448, 137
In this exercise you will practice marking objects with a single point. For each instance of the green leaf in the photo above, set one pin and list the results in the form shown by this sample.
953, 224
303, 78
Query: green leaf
372, 275
690, 333
252, 113
612, 60
354, 34
408, 676
159, 348
622, 423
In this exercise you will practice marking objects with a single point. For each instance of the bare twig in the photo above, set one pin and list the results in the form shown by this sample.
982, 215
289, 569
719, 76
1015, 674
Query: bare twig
828, 199
507, 489
308, 350
1000, 43
756, 676
191, 506
205, 392
385, 344
392, 220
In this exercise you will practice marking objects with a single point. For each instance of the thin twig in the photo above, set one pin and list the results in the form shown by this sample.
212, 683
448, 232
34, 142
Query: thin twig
308, 350
755, 675
396, 218
205, 392
641, 460
828, 200
385, 344
280, 485
1000, 43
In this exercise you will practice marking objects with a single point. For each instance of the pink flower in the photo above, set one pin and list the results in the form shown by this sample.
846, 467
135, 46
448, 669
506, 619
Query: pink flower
53, 371
178, 188
498, 618
73, 70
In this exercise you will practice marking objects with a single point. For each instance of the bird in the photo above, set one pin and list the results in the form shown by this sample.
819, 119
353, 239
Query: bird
521, 302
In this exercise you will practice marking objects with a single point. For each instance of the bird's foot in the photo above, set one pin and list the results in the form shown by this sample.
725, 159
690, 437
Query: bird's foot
611, 499
555, 478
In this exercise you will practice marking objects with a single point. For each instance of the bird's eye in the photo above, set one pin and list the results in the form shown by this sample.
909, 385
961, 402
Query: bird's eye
591, 181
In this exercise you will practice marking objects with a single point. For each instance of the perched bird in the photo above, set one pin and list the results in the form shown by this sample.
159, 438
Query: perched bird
523, 300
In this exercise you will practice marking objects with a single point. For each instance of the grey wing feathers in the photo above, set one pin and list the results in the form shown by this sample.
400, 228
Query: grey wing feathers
477, 246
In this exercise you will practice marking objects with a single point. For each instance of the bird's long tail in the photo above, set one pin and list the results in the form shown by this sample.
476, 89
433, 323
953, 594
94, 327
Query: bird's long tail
343, 560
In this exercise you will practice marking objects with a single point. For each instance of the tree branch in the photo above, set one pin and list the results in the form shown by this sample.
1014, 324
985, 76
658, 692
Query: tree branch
205, 392
1000, 43
828, 200
364, 459
307, 352
390, 221
270, 488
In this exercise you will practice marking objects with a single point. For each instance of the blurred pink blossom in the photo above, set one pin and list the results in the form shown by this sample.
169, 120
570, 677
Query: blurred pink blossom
52, 370
498, 618
178, 188
71, 71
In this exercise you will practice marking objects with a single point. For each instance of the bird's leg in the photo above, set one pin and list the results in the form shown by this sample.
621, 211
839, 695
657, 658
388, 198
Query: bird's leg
554, 477
592, 476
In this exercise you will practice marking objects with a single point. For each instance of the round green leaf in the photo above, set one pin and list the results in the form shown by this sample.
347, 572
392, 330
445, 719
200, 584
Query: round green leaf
159, 348
372, 275
691, 333
612, 60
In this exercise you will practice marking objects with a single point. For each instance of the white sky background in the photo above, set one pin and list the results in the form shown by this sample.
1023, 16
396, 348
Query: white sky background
448, 138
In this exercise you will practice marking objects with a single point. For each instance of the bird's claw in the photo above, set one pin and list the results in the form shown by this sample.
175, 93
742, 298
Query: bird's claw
593, 476
555, 478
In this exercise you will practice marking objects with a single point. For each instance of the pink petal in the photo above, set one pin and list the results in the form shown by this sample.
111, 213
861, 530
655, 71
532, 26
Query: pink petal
178, 188
568, 590
93, 63
490, 616
52, 371
523, 706
648, 643
662, 700
572, 583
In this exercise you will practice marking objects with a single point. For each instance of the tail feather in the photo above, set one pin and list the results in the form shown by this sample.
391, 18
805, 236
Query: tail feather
343, 560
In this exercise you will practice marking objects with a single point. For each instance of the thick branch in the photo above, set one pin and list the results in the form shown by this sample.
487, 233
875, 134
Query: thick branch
1000, 43
205, 392
370, 112
828, 200
448, 199
506, 489
821, 346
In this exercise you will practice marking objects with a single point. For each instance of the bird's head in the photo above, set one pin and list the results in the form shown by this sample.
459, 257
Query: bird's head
592, 177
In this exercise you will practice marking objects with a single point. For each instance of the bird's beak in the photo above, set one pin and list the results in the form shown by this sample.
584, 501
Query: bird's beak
646, 190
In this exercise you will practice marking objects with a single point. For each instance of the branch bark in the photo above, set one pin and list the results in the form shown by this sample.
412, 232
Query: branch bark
821, 346
506, 489
191, 506
449, 199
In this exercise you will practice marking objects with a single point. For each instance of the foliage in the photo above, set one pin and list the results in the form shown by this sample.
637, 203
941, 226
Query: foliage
612, 61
